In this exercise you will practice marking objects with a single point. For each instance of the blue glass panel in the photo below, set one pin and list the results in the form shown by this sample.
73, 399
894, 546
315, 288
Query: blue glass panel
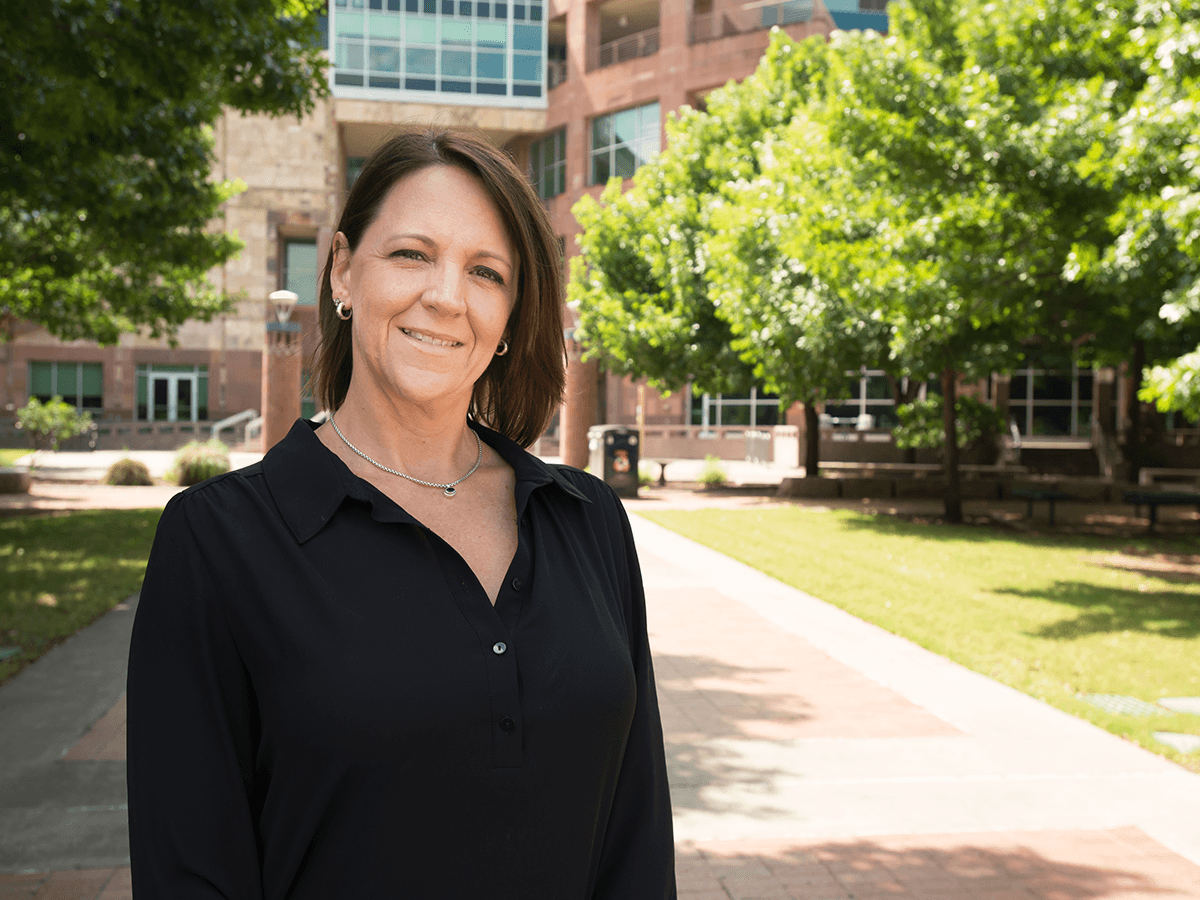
385, 58
527, 68
381, 25
376, 82
518, 10
483, 87
422, 31
464, 7
501, 10
625, 126
489, 65
420, 84
482, 10
456, 87
527, 37
430, 7
410, 5
491, 34
376, 4
420, 61
527, 90
352, 80
456, 63
456, 33
447, 7
601, 132
393, 5
535, 13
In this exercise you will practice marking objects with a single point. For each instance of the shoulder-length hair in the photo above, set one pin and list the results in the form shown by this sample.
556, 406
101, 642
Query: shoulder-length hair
519, 392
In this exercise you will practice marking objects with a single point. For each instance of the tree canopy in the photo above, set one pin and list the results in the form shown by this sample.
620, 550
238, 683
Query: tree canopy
973, 190
106, 150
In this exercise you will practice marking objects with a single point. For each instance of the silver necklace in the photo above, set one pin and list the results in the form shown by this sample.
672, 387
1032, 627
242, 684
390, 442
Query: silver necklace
447, 489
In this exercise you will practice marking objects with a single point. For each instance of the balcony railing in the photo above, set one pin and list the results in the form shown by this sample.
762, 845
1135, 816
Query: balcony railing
720, 23
556, 73
641, 43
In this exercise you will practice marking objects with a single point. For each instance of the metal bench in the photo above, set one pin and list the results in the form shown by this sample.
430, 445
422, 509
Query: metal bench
1032, 494
1155, 499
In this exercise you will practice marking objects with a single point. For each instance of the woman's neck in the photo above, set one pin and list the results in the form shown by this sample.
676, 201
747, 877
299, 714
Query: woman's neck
431, 444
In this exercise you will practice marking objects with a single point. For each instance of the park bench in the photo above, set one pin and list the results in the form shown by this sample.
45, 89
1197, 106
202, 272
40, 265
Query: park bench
1149, 477
1155, 499
1049, 496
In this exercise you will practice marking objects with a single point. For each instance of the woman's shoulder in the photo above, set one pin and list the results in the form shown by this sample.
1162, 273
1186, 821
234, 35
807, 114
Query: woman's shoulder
229, 493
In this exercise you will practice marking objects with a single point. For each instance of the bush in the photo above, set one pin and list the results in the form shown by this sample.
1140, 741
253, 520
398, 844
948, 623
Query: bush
198, 461
713, 473
979, 426
48, 424
128, 472
645, 478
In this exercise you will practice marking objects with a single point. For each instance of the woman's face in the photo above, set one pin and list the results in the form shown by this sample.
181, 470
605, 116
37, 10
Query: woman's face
431, 285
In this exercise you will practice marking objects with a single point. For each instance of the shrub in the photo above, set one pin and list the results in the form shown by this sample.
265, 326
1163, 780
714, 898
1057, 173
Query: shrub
128, 472
979, 426
645, 478
713, 473
48, 424
197, 461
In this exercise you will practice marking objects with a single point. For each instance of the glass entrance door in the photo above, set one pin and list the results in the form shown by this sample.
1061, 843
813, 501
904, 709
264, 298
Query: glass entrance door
174, 397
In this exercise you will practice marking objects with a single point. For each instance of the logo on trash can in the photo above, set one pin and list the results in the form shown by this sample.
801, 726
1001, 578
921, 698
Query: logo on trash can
620, 461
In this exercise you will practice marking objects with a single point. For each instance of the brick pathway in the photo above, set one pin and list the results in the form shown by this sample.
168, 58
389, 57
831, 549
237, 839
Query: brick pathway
758, 710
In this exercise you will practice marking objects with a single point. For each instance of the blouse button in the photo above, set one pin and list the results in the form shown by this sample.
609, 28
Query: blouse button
499, 647
516, 584
507, 724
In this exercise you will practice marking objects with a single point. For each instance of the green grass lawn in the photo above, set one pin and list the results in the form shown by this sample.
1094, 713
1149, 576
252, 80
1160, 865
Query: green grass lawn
8, 455
1053, 616
58, 573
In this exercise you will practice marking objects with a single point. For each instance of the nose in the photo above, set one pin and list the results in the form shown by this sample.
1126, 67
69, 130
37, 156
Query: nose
445, 292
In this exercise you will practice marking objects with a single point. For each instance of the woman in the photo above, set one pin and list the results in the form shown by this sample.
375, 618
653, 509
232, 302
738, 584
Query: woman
401, 657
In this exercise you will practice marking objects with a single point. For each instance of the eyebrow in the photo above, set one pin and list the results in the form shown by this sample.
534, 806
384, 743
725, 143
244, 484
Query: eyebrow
429, 242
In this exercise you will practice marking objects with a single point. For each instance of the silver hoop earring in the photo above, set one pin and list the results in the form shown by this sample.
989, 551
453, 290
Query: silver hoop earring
343, 311
502, 348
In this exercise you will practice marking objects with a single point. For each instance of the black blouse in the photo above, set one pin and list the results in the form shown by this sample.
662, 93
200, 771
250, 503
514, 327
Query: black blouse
323, 703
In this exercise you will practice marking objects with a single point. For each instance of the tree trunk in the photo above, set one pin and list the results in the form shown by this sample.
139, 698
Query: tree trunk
1134, 438
953, 498
812, 441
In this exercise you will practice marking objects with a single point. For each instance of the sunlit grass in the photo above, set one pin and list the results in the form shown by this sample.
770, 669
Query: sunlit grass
9, 455
59, 573
1050, 616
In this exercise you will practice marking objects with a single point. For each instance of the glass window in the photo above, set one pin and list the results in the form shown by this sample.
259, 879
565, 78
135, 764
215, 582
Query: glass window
548, 164
491, 34
527, 67
623, 141
1051, 403
172, 393
757, 409
456, 63
456, 32
420, 61
80, 384
527, 37
489, 65
300, 269
381, 25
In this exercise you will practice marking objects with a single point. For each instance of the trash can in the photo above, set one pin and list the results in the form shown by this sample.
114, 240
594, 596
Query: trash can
613, 457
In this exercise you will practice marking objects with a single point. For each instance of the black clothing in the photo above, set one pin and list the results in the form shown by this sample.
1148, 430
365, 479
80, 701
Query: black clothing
324, 704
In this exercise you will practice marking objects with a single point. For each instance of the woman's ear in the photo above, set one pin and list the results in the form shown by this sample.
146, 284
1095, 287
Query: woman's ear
339, 272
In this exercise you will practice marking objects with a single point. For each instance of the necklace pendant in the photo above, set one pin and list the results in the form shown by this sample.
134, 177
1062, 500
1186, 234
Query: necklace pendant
449, 492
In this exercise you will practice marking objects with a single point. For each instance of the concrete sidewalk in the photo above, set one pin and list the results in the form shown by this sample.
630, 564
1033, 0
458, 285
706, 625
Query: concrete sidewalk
812, 756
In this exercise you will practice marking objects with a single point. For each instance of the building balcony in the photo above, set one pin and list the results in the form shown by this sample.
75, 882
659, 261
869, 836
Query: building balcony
556, 73
631, 46
721, 23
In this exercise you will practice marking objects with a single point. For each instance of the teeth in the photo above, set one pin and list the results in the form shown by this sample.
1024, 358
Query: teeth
424, 338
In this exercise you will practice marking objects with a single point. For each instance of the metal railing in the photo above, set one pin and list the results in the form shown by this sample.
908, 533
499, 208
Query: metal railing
632, 46
720, 23
232, 421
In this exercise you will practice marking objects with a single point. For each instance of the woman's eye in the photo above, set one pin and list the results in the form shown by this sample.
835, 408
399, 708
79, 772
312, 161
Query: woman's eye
492, 274
407, 253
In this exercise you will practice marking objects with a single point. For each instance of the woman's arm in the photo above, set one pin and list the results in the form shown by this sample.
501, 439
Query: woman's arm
638, 860
190, 768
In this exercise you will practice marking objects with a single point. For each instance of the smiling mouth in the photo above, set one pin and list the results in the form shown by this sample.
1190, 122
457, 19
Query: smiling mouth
426, 339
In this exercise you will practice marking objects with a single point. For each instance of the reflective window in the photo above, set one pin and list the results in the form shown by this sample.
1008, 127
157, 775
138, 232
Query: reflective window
548, 164
382, 48
79, 383
300, 269
622, 141
1050, 403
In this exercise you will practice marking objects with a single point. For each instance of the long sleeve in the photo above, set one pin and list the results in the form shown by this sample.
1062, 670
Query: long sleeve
638, 859
190, 751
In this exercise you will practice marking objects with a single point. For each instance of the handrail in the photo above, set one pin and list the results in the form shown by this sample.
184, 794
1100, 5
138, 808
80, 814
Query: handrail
640, 43
230, 421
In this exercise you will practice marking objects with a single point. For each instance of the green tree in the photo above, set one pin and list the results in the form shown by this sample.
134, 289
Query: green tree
106, 151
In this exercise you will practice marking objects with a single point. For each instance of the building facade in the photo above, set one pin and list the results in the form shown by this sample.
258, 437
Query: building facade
576, 91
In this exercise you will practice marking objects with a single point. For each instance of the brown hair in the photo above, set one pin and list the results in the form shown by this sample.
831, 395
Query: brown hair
519, 392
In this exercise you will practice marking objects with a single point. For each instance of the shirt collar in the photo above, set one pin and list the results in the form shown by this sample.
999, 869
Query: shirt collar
308, 482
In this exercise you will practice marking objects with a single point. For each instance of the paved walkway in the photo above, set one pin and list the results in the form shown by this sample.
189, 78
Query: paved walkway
812, 756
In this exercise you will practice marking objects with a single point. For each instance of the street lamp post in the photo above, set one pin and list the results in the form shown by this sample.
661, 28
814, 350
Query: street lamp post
281, 364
